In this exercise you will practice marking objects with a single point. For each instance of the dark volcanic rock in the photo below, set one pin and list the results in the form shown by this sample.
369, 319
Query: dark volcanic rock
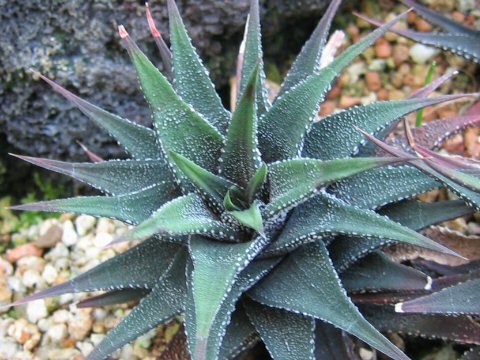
76, 44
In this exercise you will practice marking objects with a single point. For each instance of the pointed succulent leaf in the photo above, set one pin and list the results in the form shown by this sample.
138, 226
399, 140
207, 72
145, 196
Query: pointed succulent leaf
178, 126
308, 61
138, 268
293, 181
191, 80
309, 271
440, 20
216, 267
472, 354
164, 302
113, 297
91, 155
109, 176
393, 276
325, 214
165, 52
251, 217
247, 278
228, 203
381, 186
332, 343
418, 215
285, 334
239, 336
240, 158
335, 136
185, 215
463, 43
282, 129
131, 208
212, 187
459, 299
256, 182
347, 250
470, 196
461, 329
138, 140
251, 55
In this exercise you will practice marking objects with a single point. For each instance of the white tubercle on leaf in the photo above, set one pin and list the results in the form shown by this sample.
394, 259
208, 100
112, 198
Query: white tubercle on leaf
398, 307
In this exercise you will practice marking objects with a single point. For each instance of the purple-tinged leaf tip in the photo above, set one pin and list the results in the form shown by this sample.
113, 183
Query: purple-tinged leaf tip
165, 52
429, 88
53, 165
91, 155
60, 289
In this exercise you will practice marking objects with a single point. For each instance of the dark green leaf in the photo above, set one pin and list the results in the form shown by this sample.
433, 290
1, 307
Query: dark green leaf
191, 80
186, 215
308, 61
131, 208
286, 335
212, 187
138, 140
113, 297
216, 269
250, 56
308, 271
240, 336
459, 328
240, 158
138, 268
418, 215
256, 182
335, 136
178, 126
377, 272
109, 176
377, 187
251, 218
282, 129
332, 343
462, 299
324, 215
164, 302
293, 181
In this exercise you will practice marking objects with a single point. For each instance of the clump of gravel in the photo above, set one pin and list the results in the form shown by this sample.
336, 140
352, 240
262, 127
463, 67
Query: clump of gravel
57, 250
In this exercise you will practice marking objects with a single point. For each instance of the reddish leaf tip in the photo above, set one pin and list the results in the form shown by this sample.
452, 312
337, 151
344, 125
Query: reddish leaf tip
122, 32
151, 23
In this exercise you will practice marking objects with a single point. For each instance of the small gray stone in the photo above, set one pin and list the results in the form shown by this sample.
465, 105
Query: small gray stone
51, 237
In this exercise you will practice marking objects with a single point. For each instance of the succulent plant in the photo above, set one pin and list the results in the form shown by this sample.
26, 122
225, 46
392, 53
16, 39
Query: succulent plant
264, 224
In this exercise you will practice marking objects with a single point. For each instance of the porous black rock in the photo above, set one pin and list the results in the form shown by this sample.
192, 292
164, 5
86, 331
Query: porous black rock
76, 44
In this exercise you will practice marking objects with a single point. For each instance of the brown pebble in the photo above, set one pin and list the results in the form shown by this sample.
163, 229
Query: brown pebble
374, 83
422, 25
395, 95
20, 251
382, 94
409, 80
327, 108
50, 238
383, 49
458, 16
348, 101
400, 54
335, 92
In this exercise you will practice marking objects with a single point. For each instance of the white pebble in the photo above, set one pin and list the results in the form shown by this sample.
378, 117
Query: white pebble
49, 274
8, 348
36, 310
15, 283
59, 251
31, 278
44, 324
102, 239
61, 316
85, 347
105, 226
84, 223
421, 53
69, 236
57, 332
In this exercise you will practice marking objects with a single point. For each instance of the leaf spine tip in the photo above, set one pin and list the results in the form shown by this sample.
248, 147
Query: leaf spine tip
151, 23
398, 307
122, 32
428, 285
